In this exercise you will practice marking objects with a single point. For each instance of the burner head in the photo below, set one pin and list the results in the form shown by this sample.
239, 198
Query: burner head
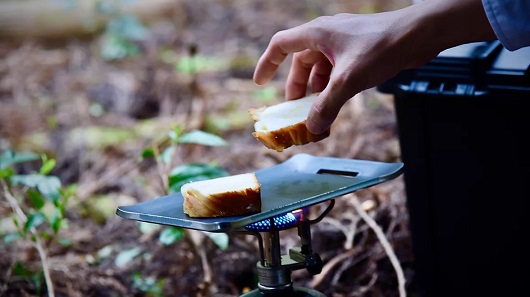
281, 222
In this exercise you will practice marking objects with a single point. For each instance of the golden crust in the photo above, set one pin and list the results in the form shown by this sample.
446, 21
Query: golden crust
283, 138
223, 203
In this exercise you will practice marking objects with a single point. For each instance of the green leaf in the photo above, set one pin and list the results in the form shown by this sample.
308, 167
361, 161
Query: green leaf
60, 207
171, 235
38, 281
48, 166
128, 27
175, 133
34, 220
48, 186
28, 180
55, 220
126, 256
65, 242
16, 223
148, 153
20, 270
197, 64
11, 237
7, 172
193, 172
36, 199
167, 155
220, 239
202, 138
68, 192
147, 228
9, 157
46, 235
149, 285
115, 47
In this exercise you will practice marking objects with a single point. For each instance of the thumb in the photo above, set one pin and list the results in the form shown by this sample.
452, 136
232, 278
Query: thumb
326, 107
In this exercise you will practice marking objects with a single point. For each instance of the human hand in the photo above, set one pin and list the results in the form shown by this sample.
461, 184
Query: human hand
344, 54
338, 56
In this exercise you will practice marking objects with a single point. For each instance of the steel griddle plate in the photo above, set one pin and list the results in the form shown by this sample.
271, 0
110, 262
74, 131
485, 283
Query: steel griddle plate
300, 181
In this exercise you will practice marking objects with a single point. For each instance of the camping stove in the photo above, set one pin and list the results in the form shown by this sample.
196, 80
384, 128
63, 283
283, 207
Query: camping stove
287, 191
274, 269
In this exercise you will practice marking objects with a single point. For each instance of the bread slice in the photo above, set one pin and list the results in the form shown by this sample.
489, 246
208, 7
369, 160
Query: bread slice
283, 125
221, 197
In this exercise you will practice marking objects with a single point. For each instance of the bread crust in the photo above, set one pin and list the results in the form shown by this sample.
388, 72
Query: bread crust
222, 203
283, 138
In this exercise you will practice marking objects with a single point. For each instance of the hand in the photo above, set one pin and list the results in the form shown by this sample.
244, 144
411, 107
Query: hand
344, 54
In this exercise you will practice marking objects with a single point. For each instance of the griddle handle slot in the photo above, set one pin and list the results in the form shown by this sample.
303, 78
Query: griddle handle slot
338, 172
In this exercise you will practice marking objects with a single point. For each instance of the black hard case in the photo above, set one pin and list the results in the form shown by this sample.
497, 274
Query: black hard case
464, 121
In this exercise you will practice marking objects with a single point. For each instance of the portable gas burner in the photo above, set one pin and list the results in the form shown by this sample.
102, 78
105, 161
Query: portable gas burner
287, 191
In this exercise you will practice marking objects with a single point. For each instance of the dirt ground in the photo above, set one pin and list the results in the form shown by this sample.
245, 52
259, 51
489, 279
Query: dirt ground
56, 97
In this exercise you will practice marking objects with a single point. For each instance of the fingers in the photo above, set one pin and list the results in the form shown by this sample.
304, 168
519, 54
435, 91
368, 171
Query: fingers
304, 65
268, 64
309, 64
329, 102
321, 115
320, 75
282, 44
315, 65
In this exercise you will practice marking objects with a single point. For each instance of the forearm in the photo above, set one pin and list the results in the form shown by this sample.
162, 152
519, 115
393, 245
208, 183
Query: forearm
460, 21
435, 25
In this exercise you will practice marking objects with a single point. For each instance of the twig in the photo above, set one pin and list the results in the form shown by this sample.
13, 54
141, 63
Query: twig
364, 288
38, 242
162, 170
384, 242
348, 230
369, 271
197, 239
329, 266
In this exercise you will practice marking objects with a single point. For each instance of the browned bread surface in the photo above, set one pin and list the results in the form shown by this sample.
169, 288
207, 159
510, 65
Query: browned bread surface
282, 125
221, 197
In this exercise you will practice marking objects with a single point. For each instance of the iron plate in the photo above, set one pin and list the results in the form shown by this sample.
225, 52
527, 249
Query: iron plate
301, 181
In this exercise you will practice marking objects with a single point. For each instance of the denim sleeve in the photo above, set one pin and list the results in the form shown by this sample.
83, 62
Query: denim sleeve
510, 20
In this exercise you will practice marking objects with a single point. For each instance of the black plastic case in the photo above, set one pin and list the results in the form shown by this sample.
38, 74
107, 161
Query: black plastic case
464, 122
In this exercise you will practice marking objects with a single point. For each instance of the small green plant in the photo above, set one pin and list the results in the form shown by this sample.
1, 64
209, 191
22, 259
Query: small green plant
122, 31
149, 285
38, 202
175, 176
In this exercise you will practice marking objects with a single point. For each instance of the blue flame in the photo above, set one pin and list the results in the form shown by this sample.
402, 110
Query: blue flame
281, 222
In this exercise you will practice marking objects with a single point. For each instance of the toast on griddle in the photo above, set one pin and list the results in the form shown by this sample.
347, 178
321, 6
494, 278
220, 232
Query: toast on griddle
221, 197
